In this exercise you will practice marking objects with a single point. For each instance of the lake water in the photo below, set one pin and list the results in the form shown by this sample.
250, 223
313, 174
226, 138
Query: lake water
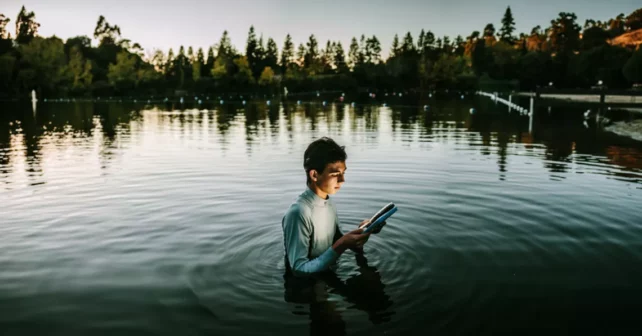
133, 219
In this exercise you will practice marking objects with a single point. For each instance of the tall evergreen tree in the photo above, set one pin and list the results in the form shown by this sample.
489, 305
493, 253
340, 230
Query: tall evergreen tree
408, 46
197, 65
287, 54
340, 59
373, 50
300, 54
353, 53
271, 54
508, 27
328, 56
251, 48
396, 49
225, 49
420, 42
312, 52
209, 63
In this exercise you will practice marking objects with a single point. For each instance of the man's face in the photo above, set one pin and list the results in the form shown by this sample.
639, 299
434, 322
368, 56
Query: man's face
332, 178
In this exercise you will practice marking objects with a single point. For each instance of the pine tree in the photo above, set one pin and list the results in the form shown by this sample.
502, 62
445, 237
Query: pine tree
395, 51
353, 53
508, 27
340, 59
271, 54
287, 55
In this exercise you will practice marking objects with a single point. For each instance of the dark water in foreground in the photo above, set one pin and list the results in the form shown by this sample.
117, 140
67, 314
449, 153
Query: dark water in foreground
124, 219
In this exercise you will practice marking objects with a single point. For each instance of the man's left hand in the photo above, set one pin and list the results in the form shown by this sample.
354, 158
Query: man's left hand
359, 247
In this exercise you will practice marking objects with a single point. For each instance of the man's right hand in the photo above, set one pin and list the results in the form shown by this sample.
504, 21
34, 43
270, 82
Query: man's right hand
351, 240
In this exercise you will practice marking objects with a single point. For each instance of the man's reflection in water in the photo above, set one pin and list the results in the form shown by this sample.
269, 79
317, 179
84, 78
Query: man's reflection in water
364, 291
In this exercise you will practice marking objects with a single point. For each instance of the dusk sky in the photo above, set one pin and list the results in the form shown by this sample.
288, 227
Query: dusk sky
164, 24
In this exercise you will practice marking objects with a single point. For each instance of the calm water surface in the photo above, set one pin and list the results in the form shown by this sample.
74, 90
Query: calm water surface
131, 219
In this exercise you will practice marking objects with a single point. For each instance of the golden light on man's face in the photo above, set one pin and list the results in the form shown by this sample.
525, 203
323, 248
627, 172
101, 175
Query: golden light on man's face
332, 178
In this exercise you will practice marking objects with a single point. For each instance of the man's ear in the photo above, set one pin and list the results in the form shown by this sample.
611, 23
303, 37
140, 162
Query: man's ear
313, 175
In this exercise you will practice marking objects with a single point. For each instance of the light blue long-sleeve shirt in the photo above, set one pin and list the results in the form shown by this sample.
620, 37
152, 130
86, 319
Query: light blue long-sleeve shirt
310, 227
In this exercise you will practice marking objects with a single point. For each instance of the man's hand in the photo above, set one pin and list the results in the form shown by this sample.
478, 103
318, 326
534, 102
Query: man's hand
351, 240
366, 221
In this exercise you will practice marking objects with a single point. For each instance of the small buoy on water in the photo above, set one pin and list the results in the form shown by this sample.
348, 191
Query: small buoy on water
298, 102
430, 95
425, 107
384, 104
472, 111
200, 101
244, 102
181, 100
221, 101
462, 96
324, 103
352, 104
268, 102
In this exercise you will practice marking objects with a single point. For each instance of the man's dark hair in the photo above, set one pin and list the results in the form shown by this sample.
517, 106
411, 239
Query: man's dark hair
320, 153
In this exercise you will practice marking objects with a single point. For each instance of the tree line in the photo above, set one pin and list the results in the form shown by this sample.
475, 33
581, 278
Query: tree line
564, 53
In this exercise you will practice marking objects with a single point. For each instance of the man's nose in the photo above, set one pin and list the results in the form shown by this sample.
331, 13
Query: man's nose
342, 179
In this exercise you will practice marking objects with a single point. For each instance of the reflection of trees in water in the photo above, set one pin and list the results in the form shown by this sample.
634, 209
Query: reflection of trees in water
490, 130
310, 113
54, 125
5, 137
255, 116
274, 112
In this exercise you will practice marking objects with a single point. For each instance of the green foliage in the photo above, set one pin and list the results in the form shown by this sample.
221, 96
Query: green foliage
26, 26
243, 75
633, 67
106, 33
80, 70
634, 20
287, 54
7, 66
267, 77
490, 59
600, 64
43, 65
4, 33
594, 37
534, 69
122, 75
565, 34
340, 59
508, 27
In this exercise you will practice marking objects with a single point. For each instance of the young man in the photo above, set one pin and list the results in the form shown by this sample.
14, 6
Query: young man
312, 238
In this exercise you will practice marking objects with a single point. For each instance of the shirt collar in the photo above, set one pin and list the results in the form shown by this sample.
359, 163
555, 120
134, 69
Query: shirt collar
314, 198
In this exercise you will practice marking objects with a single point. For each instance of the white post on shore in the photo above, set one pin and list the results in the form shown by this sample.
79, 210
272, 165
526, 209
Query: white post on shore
531, 115
510, 102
